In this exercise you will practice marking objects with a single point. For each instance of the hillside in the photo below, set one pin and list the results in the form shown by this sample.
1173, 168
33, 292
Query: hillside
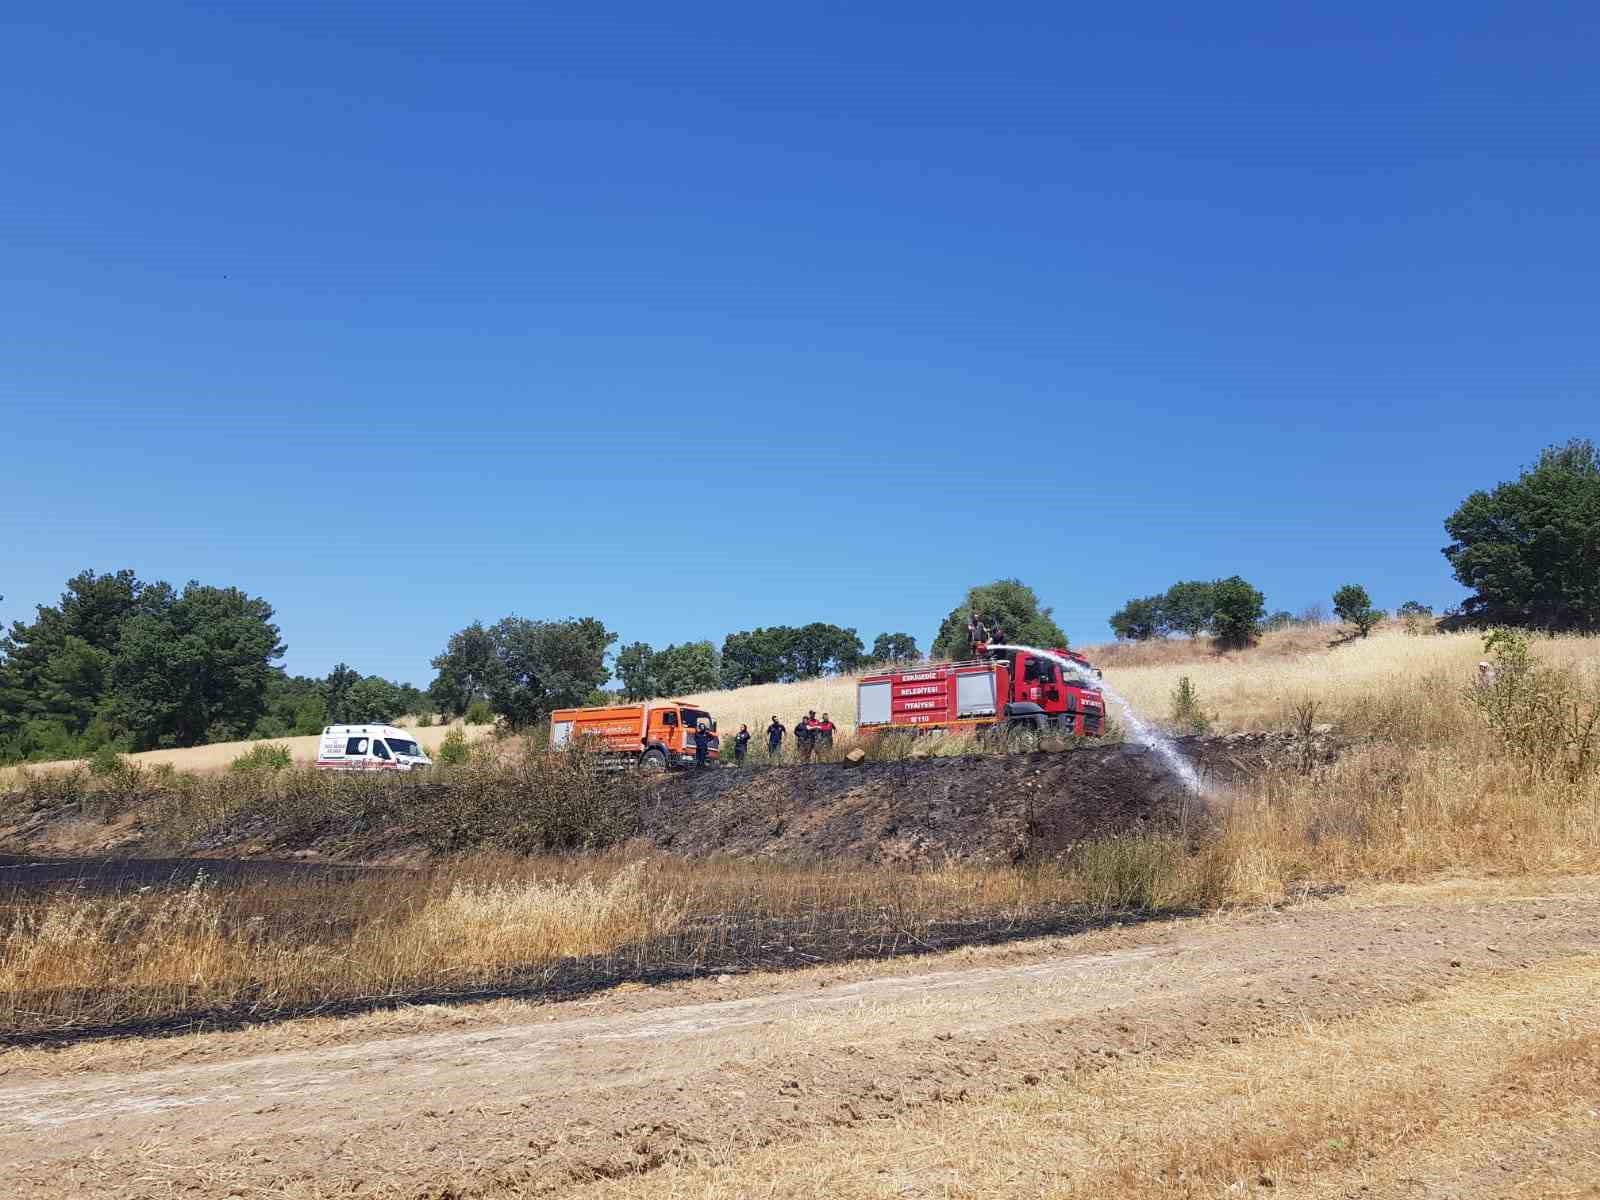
1251, 689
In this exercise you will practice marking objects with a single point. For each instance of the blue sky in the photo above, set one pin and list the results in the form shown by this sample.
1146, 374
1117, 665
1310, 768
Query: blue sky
702, 317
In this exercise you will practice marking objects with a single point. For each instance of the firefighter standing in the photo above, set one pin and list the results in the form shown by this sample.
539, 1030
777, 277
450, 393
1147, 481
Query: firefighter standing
977, 631
999, 637
741, 743
825, 728
803, 738
775, 733
702, 744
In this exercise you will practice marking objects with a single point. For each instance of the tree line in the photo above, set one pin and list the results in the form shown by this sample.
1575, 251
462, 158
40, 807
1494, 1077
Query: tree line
523, 669
122, 662
1528, 551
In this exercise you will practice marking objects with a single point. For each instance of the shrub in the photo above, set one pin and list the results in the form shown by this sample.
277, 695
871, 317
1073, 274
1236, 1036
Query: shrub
424, 720
1546, 719
1416, 618
106, 762
453, 751
1136, 874
1186, 711
264, 756
479, 713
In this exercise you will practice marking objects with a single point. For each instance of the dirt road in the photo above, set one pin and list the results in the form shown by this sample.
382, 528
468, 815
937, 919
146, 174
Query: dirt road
710, 1071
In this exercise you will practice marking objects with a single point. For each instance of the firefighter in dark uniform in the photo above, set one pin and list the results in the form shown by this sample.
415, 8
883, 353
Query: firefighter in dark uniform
702, 743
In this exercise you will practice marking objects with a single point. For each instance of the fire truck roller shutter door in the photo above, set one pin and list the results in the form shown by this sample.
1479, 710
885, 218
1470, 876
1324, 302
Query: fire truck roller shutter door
873, 703
975, 694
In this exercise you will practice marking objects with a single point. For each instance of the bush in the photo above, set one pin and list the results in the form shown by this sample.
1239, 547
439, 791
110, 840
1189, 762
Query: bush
1416, 618
1186, 711
1148, 874
479, 713
107, 763
453, 751
424, 720
1548, 720
265, 756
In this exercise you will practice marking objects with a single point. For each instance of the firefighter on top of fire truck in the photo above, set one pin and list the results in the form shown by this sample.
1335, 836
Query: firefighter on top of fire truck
976, 631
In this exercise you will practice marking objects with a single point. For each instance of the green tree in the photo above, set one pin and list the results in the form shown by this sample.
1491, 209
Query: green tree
55, 670
1414, 608
336, 693
192, 667
1139, 620
465, 667
1238, 612
1190, 607
294, 707
373, 698
1012, 604
755, 656
821, 649
686, 669
1530, 550
894, 648
1351, 603
544, 665
633, 669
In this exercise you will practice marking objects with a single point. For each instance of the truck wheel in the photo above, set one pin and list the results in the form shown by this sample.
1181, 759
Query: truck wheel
652, 760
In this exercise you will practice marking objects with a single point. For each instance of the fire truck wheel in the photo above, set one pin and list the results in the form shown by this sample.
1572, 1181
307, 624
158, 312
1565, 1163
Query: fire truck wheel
652, 760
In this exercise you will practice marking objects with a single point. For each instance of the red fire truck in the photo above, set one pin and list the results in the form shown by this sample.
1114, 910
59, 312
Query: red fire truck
1011, 691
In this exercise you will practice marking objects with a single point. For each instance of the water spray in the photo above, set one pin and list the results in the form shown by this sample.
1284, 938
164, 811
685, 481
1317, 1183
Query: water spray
1151, 739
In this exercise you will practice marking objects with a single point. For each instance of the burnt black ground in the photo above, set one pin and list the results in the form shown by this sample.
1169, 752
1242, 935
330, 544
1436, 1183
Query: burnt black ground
979, 809
30, 873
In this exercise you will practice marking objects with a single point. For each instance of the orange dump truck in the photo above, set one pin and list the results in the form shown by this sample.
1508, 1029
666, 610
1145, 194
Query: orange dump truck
653, 736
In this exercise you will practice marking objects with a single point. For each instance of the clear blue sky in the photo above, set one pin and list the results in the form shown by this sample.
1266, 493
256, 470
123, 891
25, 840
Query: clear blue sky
701, 317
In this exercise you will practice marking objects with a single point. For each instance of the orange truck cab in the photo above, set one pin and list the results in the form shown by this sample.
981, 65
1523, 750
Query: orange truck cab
654, 736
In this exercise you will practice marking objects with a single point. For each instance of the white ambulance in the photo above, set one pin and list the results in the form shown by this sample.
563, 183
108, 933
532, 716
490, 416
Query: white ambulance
373, 747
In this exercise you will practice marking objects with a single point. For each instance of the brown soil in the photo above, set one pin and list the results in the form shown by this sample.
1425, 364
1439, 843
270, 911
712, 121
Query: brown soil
539, 1106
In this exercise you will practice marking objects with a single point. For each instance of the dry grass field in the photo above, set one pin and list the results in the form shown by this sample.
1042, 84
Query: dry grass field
217, 755
1256, 688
